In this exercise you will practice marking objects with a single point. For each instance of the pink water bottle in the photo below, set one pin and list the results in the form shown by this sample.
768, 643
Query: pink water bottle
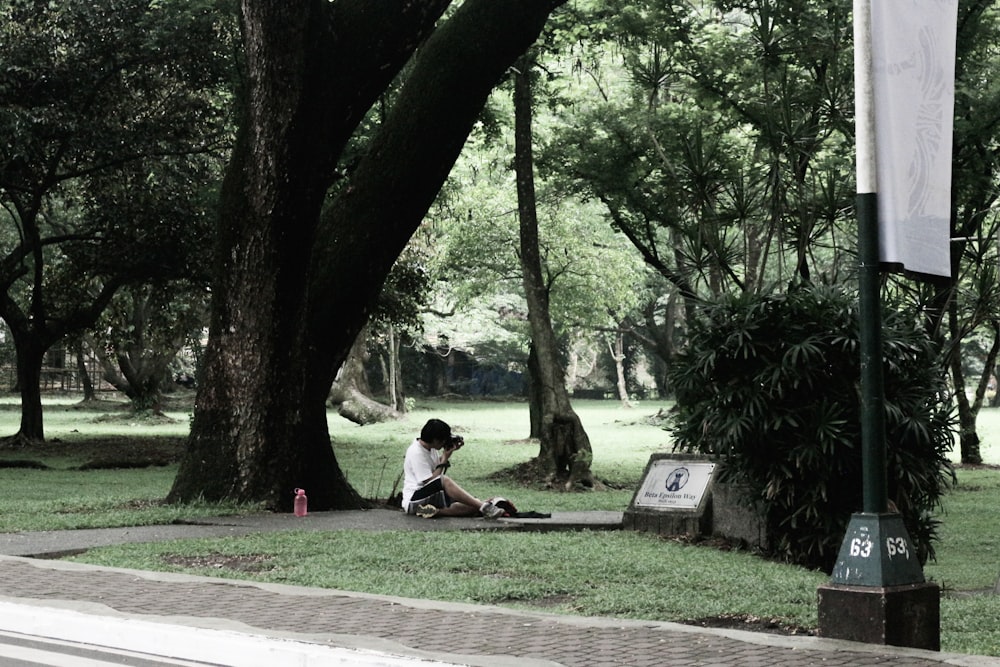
301, 502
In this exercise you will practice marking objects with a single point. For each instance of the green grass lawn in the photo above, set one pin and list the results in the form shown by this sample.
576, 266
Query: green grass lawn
617, 574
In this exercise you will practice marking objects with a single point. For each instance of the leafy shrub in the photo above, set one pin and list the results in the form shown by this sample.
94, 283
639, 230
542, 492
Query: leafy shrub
770, 385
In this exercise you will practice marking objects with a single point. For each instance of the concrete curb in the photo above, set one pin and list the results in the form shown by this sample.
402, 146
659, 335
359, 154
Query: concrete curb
215, 647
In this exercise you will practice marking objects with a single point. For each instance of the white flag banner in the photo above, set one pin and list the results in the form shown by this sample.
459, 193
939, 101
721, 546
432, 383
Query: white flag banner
913, 76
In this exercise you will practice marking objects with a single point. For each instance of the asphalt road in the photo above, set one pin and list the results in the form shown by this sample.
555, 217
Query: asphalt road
17, 650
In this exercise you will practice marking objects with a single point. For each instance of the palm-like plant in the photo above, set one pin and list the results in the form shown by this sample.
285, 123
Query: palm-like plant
770, 386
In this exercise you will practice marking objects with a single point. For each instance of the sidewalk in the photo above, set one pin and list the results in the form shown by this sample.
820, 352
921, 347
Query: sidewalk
371, 629
60, 542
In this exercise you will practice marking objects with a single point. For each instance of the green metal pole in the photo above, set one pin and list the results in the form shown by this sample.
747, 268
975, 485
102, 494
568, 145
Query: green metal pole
877, 553
869, 309
872, 389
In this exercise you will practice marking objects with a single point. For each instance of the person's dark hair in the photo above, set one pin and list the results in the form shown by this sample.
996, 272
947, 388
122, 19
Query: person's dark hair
435, 430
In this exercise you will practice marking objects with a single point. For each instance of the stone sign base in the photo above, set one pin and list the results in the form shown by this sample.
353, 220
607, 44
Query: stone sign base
734, 518
676, 522
907, 615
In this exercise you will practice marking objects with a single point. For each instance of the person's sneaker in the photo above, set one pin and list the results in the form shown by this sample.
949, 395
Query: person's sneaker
427, 511
491, 511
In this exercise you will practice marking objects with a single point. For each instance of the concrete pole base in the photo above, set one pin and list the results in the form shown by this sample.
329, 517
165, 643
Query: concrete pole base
908, 615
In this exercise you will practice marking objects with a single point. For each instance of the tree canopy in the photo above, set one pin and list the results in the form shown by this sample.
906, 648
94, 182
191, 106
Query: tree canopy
111, 118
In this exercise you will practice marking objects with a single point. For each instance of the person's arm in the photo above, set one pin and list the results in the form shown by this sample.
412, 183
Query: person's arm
442, 466
425, 466
445, 463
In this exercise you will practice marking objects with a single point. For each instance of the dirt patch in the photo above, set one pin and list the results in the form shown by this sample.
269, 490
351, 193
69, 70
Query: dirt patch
22, 463
145, 417
711, 541
219, 561
529, 475
123, 458
751, 623
103, 453
557, 600
976, 466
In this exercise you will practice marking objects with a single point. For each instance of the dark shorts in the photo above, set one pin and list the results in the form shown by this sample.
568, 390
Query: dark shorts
431, 493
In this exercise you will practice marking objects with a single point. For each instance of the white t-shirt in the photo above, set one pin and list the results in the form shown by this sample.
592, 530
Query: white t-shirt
419, 465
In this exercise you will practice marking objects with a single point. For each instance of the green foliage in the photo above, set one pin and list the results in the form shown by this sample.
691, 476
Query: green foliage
770, 386
717, 138
405, 293
114, 118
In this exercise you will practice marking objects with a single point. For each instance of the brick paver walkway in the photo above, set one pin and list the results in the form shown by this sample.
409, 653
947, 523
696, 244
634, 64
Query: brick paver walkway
442, 631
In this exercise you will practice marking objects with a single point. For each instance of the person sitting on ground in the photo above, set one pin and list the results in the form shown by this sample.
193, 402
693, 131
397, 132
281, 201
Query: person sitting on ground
427, 490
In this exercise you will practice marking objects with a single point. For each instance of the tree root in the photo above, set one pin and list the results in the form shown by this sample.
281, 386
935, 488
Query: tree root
18, 442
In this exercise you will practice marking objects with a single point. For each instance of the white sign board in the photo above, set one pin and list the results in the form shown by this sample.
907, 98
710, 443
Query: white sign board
674, 484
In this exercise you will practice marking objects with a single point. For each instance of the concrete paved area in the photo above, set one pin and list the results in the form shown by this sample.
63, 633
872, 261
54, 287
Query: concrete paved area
59, 542
197, 615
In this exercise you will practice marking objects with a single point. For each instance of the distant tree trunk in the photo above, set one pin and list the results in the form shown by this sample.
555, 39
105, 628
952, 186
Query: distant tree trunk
138, 373
616, 346
968, 436
351, 394
995, 383
987, 378
572, 367
968, 415
81, 370
395, 371
298, 272
36, 329
564, 449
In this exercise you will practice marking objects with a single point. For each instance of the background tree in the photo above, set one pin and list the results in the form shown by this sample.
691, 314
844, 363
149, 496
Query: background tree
296, 281
396, 316
588, 272
140, 335
564, 447
719, 148
97, 103
968, 307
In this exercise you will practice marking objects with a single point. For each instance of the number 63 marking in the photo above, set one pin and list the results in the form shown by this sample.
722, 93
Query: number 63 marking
896, 546
862, 548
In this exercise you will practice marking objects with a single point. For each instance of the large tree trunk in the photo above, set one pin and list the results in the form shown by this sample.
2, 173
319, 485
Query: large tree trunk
30, 358
564, 448
294, 289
